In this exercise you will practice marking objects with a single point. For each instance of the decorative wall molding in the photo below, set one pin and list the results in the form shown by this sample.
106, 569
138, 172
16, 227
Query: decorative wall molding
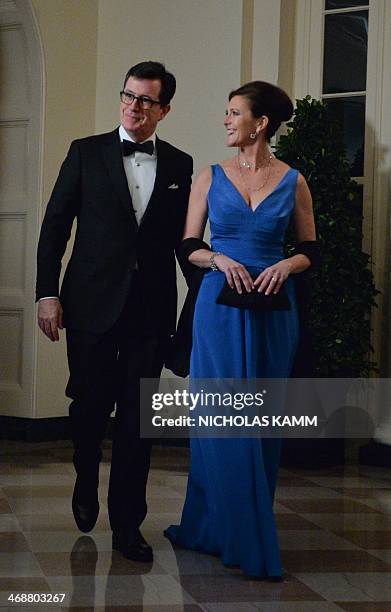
8, 6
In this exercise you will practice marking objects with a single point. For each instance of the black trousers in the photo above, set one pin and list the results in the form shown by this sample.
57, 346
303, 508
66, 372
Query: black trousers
105, 369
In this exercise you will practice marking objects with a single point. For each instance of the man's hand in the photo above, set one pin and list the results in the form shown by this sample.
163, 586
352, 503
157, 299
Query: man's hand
50, 317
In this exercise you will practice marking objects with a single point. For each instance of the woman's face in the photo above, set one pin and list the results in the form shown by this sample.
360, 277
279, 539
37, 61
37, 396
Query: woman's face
239, 122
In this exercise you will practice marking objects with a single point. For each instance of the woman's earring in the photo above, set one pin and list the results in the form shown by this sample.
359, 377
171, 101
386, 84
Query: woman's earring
253, 135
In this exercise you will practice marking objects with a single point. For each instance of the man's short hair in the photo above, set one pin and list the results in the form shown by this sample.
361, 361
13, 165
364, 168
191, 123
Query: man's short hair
155, 70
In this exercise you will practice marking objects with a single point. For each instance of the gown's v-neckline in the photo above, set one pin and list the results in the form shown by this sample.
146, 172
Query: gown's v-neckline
248, 206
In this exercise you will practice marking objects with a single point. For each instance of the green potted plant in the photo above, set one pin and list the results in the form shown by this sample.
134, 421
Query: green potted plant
336, 299
342, 290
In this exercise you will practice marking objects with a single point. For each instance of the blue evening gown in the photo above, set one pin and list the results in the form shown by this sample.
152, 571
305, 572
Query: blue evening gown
228, 509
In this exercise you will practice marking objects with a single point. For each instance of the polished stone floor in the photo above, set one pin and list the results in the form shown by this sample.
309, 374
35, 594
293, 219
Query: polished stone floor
334, 526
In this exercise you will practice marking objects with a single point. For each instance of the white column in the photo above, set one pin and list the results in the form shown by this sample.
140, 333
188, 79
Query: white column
382, 195
266, 40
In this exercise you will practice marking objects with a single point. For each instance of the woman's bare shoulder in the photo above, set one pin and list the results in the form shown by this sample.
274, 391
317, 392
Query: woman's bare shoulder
281, 166
204, 175
203, 180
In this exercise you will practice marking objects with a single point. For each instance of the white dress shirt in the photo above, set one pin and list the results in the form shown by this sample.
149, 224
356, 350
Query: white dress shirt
140, 170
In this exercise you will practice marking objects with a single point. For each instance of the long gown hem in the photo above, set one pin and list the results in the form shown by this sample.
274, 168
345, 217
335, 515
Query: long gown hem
172, 534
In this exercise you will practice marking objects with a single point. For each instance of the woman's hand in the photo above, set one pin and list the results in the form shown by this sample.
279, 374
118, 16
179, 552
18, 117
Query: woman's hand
235, 273
272, 278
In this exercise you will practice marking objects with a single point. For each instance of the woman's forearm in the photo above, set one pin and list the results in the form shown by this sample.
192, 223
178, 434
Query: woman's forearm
201, 258
298, 263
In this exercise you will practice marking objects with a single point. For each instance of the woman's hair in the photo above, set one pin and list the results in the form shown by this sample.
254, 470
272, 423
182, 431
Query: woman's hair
266, 99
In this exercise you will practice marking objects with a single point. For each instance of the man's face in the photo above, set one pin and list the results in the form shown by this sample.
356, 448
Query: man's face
139, 122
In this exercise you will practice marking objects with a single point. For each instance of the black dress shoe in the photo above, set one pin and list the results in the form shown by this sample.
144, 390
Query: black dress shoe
135, 549
85, 507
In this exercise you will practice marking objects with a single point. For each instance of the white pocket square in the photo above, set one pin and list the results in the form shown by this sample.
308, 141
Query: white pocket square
174, 186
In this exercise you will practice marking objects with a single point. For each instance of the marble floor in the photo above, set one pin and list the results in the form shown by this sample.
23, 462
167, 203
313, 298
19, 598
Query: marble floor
334, 526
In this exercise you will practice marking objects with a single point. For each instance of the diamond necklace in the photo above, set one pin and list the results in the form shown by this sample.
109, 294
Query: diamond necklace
246, 165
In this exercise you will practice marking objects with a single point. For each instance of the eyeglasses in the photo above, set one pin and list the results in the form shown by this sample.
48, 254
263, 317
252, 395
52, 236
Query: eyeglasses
127, 97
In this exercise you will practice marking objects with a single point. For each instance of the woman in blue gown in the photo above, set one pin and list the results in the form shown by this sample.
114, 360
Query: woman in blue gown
249, 200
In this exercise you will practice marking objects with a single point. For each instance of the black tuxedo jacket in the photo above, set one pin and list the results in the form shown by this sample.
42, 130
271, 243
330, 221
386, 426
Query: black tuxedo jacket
92, 188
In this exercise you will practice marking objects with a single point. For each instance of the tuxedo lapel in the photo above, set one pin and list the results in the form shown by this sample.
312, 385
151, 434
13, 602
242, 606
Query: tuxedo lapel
112, 155
162, 170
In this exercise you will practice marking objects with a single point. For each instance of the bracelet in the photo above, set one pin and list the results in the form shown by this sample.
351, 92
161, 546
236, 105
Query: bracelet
212, 262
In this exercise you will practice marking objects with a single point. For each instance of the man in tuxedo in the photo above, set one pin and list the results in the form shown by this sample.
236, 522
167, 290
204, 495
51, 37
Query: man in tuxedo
128, 191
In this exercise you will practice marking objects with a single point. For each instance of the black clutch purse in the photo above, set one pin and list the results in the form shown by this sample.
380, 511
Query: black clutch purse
254, 300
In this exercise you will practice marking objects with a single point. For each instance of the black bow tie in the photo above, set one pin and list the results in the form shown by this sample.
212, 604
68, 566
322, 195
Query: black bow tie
129, 147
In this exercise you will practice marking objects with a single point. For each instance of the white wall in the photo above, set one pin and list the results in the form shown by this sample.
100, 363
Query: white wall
68, 32
199, 41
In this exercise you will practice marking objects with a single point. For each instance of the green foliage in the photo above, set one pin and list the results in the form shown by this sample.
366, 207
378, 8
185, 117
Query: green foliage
342, 291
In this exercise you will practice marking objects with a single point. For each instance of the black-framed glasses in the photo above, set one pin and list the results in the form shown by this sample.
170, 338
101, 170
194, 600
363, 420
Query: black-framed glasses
127, 97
